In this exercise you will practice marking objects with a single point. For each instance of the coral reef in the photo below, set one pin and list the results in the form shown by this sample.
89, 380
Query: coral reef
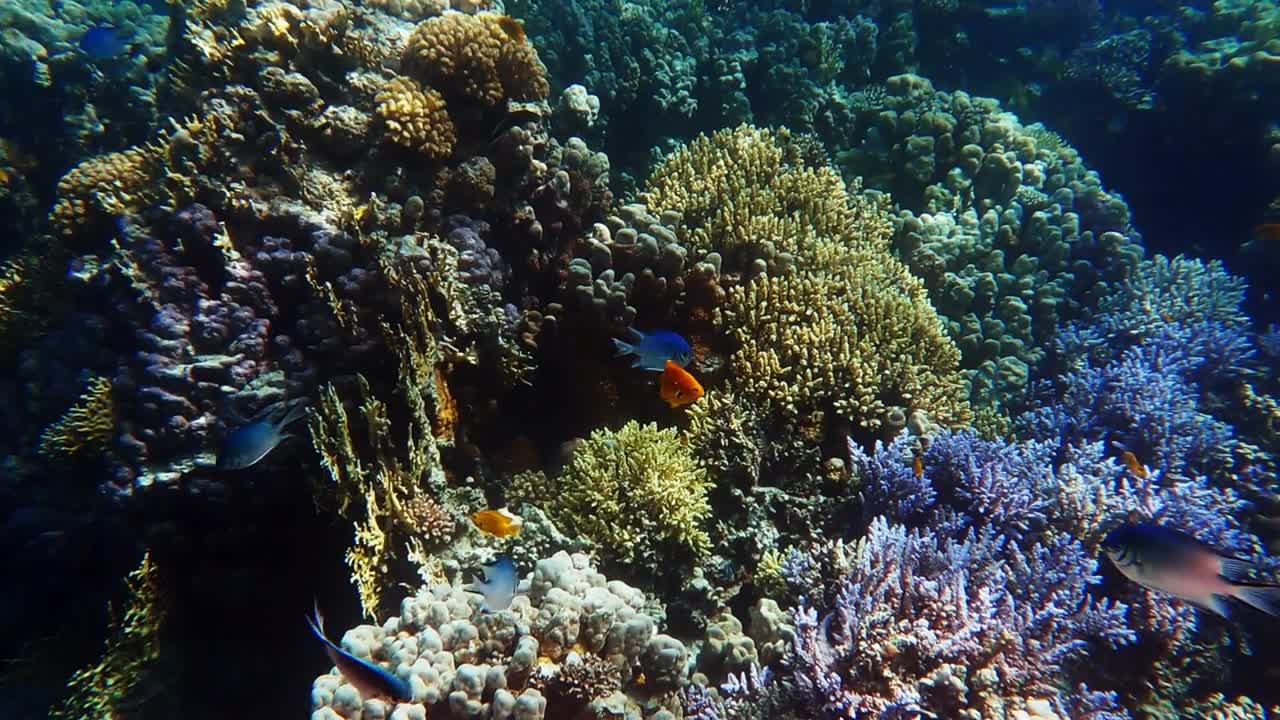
571, 641
87, 427
637, 494
416, 118
132, 649
484, 58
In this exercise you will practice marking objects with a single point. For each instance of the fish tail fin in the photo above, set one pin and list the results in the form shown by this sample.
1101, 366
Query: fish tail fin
624, 347
1234, 569
1219, 605
316, 621
296, 412
1263, 597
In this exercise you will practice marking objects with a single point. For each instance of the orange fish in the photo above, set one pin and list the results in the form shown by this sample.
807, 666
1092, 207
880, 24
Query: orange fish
1268, 232
500, 523
677, 386
1131, 462
512, 27
917, 466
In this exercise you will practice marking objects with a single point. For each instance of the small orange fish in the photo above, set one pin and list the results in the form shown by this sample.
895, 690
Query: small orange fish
1131, 462
677, 386
1267, 232
512, 27
917, 466
499, 523
5, 178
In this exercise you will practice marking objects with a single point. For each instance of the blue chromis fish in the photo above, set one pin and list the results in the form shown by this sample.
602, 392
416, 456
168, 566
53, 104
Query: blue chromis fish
248, 444
371, 679
102, 41
498, 585
653, 350
1171, 561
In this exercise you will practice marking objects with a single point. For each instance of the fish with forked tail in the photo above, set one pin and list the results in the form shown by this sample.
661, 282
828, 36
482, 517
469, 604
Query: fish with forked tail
1171, 561
369, 678
249, 443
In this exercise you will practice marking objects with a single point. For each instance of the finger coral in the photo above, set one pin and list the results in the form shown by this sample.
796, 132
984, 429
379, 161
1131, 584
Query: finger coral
638, 494
481, 57
416, 118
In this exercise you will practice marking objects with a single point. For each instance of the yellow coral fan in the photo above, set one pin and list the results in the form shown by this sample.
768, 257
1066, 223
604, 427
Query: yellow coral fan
828, 317
86, 427
476, 56
416, 118
108, 688
104, 186
637, 493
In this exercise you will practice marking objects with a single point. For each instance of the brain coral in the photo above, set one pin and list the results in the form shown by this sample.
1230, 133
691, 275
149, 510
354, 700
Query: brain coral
637, 493
826, 316
416, 118
483, 57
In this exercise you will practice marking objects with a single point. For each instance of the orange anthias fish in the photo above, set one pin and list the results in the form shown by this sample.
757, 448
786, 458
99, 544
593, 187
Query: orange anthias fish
500, 523
1131, 462
677, 386
1267, 232
917, 466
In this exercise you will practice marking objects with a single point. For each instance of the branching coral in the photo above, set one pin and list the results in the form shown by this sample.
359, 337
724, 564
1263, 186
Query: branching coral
108, 689
26, 284
416, 118
638, 494
483, 57
827, 317
86, 428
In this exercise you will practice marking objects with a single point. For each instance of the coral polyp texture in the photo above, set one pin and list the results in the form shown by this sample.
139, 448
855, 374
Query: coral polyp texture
638, 494
823, 317
484, 58
572, 644
416, 118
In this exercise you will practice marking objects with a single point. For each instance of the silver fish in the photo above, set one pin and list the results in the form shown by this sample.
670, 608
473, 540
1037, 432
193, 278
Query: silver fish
1171, 561
249, 443
498, 586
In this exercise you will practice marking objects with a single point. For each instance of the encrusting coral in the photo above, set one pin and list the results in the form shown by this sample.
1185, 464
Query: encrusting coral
485, 58
106, 186
416, 118
87, 427
570, 631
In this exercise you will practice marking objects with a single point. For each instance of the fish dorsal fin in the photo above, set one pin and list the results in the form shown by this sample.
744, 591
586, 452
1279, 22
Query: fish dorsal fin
1235, 569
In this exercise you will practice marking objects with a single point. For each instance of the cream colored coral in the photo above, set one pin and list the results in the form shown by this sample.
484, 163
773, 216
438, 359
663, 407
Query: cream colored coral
416, 118
484, 57
111, 184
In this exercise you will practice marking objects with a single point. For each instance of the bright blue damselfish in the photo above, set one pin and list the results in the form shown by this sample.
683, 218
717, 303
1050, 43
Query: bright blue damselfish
653, 350
369, 678
498, 585
102, 41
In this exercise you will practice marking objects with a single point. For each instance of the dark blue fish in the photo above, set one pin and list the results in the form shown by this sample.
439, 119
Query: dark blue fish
248, 444
371, 679
654, 349
498, 586
102, 41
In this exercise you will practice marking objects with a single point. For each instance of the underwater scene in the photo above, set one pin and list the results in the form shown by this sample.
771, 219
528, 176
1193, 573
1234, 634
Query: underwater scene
640, 359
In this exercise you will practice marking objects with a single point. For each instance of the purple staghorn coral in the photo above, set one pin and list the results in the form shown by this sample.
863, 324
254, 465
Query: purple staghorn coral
928, 625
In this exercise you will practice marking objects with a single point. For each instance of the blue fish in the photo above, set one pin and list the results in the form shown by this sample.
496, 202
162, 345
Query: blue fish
101, 42
498, 586
1171, 561
248, 444
652, 351
371, 679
